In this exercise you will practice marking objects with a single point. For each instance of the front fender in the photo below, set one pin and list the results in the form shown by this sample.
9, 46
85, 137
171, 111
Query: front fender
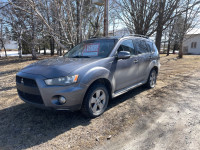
94, 74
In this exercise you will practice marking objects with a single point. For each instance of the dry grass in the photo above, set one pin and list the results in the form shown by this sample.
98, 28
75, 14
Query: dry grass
25, 127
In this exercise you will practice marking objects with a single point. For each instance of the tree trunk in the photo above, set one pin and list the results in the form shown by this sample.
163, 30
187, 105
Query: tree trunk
20, 47
159, 37
34, 57
164, 47
78, 21
159, 28
52, 46
168, 48
45, 50
5, 52
39, 49
4, 47
180, 54
58, 50
60, 53
174, 48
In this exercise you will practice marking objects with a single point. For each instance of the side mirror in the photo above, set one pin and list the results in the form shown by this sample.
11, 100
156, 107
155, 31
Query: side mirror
123, 55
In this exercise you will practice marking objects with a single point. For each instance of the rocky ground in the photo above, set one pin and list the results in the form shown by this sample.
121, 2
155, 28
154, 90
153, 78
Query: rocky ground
166, 117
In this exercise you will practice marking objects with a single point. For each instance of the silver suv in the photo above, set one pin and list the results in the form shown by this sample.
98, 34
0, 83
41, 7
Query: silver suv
90, 74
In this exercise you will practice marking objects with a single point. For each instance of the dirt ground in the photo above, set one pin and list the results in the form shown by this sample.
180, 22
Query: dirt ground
166, 117
173, 121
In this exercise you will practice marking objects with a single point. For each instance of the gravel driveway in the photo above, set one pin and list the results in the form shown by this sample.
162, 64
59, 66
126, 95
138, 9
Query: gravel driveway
173, 123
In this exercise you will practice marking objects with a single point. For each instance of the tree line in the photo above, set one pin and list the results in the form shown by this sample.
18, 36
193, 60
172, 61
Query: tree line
61, 24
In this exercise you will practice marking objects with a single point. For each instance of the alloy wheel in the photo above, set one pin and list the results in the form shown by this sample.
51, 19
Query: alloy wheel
97, 102
152, 79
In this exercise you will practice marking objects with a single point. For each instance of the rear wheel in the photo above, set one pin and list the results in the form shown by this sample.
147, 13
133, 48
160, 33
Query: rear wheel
151, 83
95, 101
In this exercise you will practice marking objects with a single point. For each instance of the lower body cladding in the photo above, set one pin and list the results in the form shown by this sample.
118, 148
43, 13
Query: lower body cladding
33, 90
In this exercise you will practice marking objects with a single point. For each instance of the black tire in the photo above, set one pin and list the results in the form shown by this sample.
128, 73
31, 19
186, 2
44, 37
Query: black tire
149, 82
88, 106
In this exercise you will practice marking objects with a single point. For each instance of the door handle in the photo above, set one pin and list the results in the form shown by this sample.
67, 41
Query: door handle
135, 61
150, 57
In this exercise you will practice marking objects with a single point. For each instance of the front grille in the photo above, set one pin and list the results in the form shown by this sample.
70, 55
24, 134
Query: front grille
26, 81
28, 90
31, 97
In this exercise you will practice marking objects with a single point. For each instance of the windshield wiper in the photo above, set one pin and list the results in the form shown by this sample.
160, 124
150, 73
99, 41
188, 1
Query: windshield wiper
80, 57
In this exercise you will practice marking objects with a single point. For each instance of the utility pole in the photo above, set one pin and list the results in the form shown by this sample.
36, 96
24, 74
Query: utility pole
106, 13
106, 18
1, 45
1, 28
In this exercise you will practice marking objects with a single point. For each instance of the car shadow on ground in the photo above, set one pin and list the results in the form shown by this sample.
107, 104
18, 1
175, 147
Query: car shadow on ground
130, 94
23, 126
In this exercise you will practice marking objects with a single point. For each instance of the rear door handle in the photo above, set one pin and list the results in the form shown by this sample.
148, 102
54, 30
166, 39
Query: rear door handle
135, 61
150, 57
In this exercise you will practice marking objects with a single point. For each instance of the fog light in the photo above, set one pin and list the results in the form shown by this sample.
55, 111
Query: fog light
62, 100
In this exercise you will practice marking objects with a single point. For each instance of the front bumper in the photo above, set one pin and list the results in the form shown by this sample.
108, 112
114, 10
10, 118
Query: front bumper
33, 90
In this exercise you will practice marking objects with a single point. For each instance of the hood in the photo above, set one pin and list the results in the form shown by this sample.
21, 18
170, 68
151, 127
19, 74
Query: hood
57, 67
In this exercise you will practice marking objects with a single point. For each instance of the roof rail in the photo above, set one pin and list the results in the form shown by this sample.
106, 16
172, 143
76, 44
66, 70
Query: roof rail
137, 35
94, 37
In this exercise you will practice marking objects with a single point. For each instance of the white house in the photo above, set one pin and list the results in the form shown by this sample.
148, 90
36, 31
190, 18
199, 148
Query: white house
11, 45
119, 32
191, 44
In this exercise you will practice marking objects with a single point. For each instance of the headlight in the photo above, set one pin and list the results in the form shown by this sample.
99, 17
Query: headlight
62, 80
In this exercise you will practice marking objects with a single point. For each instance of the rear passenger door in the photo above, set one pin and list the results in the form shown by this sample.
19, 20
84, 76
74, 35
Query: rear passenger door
144, 58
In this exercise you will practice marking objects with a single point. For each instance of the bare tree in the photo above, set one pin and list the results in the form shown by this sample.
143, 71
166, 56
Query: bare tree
139, 15
3, 46
166, 13
171, 30
17, 20
1, 37
96, 22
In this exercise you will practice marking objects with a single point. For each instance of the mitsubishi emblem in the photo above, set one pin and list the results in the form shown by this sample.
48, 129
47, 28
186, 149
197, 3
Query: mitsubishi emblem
22, 80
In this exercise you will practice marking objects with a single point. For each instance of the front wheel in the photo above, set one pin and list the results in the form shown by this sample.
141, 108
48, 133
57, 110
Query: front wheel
151, 83
95, 101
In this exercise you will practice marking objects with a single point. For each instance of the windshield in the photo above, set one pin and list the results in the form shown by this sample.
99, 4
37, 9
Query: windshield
92, 48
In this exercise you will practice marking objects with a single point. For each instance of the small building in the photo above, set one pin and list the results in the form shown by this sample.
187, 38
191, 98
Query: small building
11, 45
191, 44
119, 32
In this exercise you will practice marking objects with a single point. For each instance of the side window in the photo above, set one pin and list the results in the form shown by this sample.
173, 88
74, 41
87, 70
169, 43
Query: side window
150, 47
194, 45
127, 46
154, 48
142, 47
136, 43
